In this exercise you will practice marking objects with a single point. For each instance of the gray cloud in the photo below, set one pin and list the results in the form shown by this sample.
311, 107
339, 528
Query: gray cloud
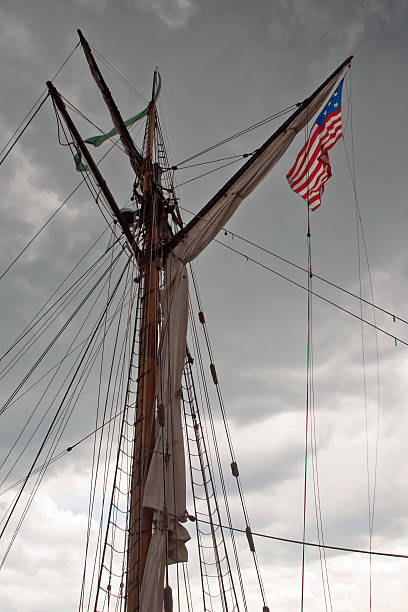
175, 14
224, 66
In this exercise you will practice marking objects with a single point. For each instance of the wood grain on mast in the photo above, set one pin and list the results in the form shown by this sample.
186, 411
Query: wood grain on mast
141, 519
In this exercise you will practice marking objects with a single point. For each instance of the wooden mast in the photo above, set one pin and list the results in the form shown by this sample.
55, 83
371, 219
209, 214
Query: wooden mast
141, 519
136, 159
94, 169
152, 220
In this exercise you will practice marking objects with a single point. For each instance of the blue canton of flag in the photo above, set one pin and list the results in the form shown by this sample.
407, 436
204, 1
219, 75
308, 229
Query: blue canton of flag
312, 166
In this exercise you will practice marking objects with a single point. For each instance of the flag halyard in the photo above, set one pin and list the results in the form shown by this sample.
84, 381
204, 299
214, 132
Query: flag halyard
312, 166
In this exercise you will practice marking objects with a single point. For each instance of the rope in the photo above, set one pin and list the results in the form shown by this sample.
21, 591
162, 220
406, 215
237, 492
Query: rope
360, 551
94, 473
37, 318
324, 299
24, 129
97, 447
46, 390
302, 269
285, 111
44, 93
229, 439
116, 72
359, 228
206, 173
83, 181
54, 420
204, 391
308, 350
212, 161
53, 341
62, 453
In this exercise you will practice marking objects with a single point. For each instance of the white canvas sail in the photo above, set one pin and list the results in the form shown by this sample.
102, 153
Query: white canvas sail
165, 489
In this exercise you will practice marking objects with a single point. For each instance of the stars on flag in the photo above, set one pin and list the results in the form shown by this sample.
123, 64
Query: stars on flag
312, 166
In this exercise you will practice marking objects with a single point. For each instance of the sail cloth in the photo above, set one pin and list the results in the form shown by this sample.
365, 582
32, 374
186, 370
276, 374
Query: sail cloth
166, 481
165, 486
312, 166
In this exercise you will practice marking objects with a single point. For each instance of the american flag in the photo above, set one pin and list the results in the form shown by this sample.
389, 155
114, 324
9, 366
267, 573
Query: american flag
312, 166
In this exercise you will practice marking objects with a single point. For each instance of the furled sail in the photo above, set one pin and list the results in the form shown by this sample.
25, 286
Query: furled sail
165, 489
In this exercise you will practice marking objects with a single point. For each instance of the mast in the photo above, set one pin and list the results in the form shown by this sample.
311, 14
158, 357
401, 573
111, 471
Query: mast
150, 464
135, 157
140, 519
56, 97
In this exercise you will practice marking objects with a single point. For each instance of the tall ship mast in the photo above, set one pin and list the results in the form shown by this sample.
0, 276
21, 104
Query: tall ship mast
162, 438
162, 248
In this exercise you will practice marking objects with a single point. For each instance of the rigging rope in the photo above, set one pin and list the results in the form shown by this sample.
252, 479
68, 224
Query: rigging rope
235, 470
62, 453
321, 297
65, 416
212, 161
24, 129
37, 318
94, 473
56, 211
308, 350
53, 341
205, 392
360, 230
360, 551
122, 78
54, 421
253, 126
207, 173
302, 269
195, 436
118, 383
310, 432
48, 387
37, 102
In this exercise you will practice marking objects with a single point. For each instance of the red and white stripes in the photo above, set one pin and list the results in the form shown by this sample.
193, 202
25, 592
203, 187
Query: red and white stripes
312, 166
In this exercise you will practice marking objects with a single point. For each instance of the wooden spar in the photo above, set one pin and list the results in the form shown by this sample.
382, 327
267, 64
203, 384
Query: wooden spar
136, 159
215, 199
93, 168
141, 519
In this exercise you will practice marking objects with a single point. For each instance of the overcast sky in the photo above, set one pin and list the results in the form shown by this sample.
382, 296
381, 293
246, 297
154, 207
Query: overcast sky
226, 65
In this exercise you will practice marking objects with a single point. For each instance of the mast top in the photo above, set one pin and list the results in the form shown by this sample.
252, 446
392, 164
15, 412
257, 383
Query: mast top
135, 157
